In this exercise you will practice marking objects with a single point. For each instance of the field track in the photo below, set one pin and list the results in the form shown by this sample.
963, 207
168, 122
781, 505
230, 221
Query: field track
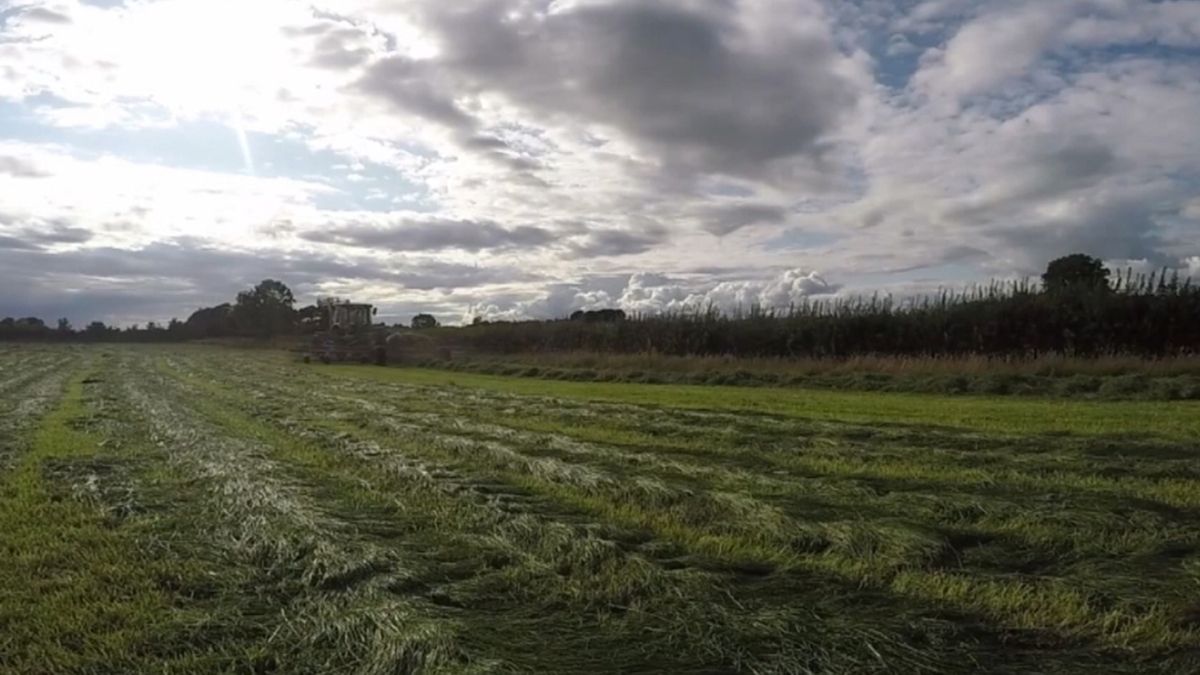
197, 509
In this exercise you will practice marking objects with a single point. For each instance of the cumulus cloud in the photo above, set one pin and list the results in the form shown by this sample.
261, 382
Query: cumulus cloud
653, 293
992, 49
1192, 265
710, 88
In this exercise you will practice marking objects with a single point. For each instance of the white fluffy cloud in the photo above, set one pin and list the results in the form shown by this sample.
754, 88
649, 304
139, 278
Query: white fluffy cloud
651, 294
1010, 40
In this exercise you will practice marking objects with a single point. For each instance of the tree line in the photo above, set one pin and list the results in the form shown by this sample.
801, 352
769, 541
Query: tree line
1078, 308
265, 311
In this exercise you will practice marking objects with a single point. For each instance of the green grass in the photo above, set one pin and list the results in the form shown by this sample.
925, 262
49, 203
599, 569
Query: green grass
260, 515
1101, 378
77, 591
1175, 420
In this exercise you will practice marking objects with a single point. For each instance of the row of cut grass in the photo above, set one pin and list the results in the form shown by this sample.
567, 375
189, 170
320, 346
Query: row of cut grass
78, 592
1174, 420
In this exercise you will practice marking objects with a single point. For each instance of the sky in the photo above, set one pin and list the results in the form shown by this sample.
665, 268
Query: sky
526, 158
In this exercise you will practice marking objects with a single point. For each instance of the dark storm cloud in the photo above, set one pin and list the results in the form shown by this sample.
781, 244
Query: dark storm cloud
683, 82
433, 235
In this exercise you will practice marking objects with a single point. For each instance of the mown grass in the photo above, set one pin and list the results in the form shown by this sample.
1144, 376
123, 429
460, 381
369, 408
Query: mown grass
1175, 420
890, 554
1101, 378
78, 592
390, 520
525, 569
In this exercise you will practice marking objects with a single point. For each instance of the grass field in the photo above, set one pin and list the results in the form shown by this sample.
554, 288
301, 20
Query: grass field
1102, 378
199, 509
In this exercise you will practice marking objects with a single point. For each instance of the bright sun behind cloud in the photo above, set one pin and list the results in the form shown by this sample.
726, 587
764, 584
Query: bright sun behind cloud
194, 57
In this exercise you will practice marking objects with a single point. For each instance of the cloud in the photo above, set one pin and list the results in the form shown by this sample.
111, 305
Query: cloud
704, 88
1007, 43
126, 203
11, 243
33, 236
432, 234
1192, 266
1192, 210
41, 15
172, 278
338, 45
610, 243
652, 294
411, 86
728, 218
1106, 228
20, 168
992, 49
1042, 167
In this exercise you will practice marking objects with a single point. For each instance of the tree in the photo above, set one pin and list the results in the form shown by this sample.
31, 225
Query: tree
422, 321
598, 315
96, 329
311, 319
1075, 272
267, 309
211, 322
64, 325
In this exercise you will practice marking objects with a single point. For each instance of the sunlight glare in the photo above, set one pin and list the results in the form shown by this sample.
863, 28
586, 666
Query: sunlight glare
224, 56
239, 129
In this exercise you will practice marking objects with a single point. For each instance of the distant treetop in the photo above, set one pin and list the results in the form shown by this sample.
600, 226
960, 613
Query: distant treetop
598, 315
421, 321
1076, 271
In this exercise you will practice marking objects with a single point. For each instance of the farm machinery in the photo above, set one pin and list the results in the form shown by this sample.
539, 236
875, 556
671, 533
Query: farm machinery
346, 333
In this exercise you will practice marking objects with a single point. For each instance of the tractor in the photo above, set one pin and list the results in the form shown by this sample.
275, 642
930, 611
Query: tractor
347, 334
